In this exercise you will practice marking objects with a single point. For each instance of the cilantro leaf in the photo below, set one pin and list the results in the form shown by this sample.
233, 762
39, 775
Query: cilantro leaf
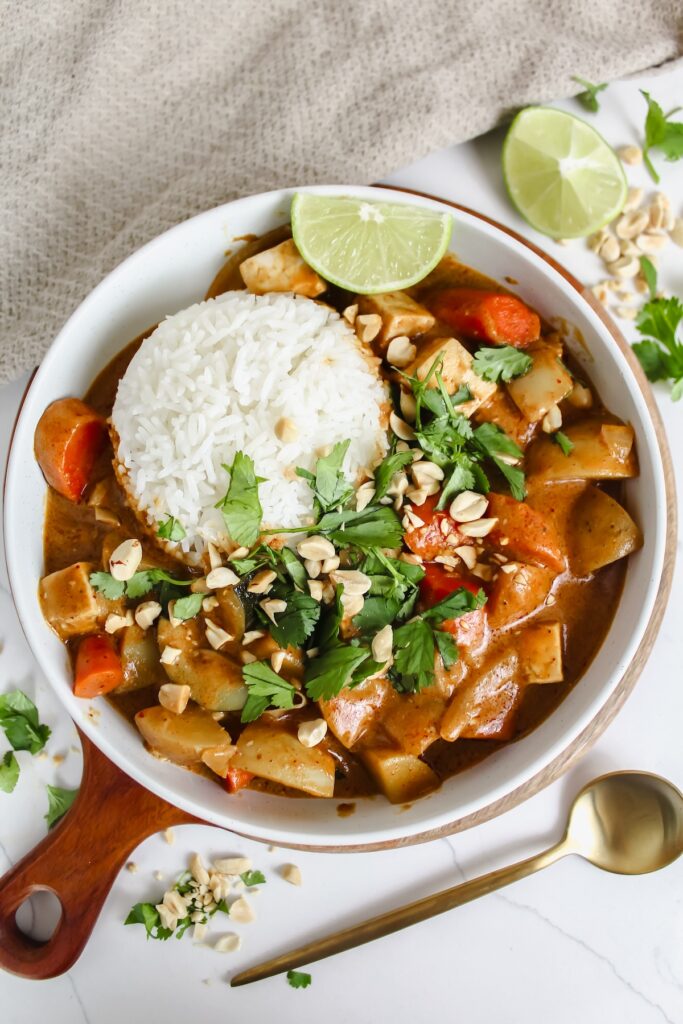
58, 803
494, 442
106, 584
458, 602
171, 529
294, 567
649, 272
661, 133
241, 507
387, 469
331, 671
9, 772
501, 363
265, 689
253, 878
661, 354
327, 633
297, 621
329, 485
19, 719
188, 607
589, 97
147, 914
462, 395
446, 647
413, 666
561, 439
298, 979
461, 478
373, 527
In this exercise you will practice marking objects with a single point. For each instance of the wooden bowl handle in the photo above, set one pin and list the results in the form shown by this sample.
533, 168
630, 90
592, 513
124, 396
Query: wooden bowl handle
78, 862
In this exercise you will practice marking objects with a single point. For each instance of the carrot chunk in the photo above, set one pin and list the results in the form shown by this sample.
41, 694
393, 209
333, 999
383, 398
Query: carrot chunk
68, 439
429, 539
487, 316
98, 666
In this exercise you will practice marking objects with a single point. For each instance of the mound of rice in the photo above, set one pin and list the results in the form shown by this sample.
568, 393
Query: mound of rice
215, 379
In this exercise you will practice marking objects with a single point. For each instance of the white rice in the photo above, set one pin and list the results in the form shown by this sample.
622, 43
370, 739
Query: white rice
215, 379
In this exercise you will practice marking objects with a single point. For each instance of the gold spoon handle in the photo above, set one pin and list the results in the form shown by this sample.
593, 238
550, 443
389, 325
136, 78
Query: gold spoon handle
402, 917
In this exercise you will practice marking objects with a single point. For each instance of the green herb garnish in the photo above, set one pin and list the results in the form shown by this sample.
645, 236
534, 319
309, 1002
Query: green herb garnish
171, 529
589, 97
332, 670
494, 442
20, 721
265, 689
501, 363
563, 442
148, 915
329, 485
649, 272
58, 803
188, 607
137, 586
298, 979
661, 133
296, 623
661, 353
252, 878
387, 469
241, 507
9, 772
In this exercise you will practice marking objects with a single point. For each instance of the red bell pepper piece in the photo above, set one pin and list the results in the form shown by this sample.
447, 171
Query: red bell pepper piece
437, 584
487, 316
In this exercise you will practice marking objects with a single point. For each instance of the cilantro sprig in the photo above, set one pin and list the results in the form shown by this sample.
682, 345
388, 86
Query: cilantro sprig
661, 351
59, 802
171, 529
330, 487
589, 97
501, 363
265, 689
20, 720
240, 506
298, 979
9, 772
661, 133
137, 586
562, 441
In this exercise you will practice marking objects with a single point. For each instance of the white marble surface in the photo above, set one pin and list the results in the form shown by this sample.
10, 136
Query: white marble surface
571, 944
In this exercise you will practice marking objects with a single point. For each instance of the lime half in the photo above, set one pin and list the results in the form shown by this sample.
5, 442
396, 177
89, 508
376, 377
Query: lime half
368, 246
561, 174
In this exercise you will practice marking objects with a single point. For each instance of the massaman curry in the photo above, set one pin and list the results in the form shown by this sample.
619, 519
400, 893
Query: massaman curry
462, 590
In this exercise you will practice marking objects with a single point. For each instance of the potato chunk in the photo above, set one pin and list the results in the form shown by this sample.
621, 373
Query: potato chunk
401, 777
270, 752
539, 649
485, 707
184, 738
281, 269
215, 681
546, 383
602, 451
400, 315
69, 602
139, 659
413, 720
353, 712
514, 595
456, 370
601, 532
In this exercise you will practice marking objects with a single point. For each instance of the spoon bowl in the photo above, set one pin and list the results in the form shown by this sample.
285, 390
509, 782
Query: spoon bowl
629, 823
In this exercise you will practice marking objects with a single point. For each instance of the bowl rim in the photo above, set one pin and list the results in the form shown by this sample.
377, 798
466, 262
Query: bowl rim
580, 743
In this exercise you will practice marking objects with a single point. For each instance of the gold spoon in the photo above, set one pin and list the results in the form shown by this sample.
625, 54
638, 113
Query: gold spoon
626, 822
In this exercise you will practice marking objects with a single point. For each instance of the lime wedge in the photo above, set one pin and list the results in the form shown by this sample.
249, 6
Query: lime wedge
368, 246
561, 174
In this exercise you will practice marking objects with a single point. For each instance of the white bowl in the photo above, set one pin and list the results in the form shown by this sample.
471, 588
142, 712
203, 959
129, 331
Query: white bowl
175, 270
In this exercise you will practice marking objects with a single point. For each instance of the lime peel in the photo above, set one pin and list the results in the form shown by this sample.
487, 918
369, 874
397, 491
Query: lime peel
368, 246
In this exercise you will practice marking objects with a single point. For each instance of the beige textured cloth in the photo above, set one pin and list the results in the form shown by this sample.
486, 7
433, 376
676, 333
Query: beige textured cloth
119, 119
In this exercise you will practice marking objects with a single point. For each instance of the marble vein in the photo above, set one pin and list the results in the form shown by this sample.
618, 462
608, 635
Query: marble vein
588, 949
